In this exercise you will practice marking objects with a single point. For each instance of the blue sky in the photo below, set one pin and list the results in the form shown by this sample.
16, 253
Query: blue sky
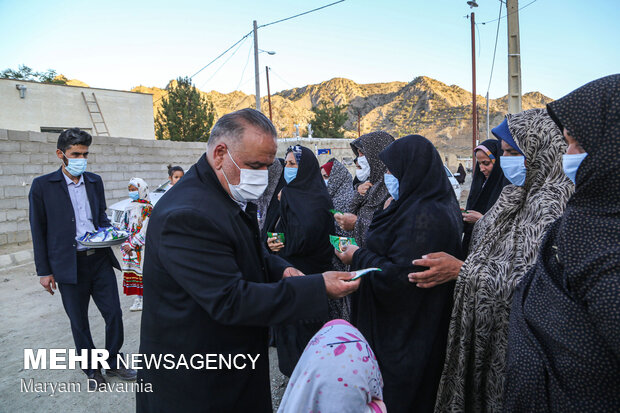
121, 44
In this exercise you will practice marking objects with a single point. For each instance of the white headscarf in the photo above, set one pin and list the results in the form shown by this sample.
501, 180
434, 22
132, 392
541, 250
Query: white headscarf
143, 187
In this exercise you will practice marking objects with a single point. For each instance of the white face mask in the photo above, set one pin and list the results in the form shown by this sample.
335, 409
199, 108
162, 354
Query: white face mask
363, 173
252, 183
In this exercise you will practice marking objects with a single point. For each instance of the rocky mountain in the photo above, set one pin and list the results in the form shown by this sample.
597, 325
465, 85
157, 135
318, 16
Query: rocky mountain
424, 106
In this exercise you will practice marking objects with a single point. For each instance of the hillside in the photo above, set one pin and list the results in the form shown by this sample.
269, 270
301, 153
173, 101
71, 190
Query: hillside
424, 106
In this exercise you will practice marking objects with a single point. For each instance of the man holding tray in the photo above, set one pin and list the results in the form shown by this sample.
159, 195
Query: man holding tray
64, 205
211, 289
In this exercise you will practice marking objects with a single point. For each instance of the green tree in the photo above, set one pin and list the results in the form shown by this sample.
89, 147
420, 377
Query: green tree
328, 121
185, 115
26, 73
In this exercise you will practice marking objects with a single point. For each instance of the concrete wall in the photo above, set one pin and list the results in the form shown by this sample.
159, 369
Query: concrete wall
127, 114
340, 148
25, 155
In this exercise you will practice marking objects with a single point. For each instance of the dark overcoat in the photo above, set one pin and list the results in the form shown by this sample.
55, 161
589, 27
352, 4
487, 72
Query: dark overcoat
52, 223
210, 287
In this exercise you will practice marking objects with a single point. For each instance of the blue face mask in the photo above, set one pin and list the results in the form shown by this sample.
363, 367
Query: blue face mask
290, 174
135, 195
514, 169
570, 164
391, 182
76, 166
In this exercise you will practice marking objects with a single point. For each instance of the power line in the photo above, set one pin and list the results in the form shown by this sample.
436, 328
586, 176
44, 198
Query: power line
509, 14
223, 64
222, 54
245, 67
301, 14
499, 20
281, 78
250, 33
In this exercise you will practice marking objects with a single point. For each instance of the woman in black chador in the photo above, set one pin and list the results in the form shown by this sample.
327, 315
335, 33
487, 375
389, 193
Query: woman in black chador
306, 223
407, 326
486, 186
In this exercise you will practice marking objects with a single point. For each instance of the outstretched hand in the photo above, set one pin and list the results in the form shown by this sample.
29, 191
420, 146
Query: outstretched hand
292, 272
337, 284
443, 267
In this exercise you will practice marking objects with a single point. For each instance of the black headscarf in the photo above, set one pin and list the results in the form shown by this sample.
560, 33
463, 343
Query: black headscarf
484, 192
406, 325
462, 174
365, 206
564, 337
268, 205
305, 219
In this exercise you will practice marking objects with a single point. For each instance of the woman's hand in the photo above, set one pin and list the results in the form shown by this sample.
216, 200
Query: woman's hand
292, 272
346, 221
387, 202
346, 256
274, 244
442, 268
363, 188
471, 216
126, 248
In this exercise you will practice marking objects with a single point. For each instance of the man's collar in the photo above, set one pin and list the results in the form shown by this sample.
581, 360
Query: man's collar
242, 205
69, 181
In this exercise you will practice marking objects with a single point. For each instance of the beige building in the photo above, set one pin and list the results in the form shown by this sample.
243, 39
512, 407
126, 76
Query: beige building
42, 107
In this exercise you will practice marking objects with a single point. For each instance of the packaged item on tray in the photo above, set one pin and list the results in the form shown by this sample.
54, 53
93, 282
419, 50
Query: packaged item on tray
107, 235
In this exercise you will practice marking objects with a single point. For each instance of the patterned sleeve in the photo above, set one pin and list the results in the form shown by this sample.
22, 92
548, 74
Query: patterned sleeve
138, 238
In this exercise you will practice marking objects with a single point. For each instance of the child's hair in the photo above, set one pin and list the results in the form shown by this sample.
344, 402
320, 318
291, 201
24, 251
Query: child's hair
173, 169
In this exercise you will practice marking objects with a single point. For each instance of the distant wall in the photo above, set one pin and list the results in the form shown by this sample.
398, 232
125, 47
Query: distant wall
26, 155
127, 114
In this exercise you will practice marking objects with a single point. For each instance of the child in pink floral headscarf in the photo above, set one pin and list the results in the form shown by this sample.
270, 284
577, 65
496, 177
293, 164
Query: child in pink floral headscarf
337, 372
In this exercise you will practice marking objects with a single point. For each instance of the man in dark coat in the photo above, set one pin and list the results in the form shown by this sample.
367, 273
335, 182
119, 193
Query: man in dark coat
64, 205
210, 287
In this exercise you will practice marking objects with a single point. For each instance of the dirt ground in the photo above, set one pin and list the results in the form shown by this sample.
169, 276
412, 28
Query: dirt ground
31, 318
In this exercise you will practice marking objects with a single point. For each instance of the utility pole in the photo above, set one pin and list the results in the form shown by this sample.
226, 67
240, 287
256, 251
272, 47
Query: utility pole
474, 111
268, 92
488, 127
514, 57
256, 78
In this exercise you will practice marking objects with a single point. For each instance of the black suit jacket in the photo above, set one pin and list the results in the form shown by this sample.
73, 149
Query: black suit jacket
210, 287
52, 223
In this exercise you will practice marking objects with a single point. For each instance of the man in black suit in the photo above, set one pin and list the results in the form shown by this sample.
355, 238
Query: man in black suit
64, 205
210, 286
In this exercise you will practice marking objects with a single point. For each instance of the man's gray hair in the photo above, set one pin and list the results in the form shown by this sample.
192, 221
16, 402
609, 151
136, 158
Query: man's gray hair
230, 127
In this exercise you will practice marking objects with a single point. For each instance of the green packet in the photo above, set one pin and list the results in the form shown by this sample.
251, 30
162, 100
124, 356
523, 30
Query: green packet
335, 211
279, 235
340, 242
